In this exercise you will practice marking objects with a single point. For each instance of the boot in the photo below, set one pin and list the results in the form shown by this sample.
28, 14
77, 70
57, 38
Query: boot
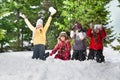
47, 55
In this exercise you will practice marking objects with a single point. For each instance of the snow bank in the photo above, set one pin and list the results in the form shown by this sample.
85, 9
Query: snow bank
20, 66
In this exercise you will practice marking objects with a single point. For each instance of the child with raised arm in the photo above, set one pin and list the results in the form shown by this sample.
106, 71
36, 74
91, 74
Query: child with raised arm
39, 34
96, 34
79, 45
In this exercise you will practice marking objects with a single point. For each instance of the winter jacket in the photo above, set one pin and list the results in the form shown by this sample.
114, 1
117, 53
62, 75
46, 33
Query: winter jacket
79, 40
96, 39
63, 50
39, 34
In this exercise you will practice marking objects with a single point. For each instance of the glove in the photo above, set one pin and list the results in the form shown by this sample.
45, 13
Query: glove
72, 33
52, 11
73, 27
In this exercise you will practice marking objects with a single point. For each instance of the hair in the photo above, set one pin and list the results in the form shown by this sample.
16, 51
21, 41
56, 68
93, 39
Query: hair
78, 25
63, 34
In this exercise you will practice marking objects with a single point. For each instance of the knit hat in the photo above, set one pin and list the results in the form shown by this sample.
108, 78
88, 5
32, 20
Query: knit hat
39, 22
97, 26
63, 34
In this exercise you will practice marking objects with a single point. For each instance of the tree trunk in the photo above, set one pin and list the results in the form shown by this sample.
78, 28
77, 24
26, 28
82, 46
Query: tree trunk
1, 47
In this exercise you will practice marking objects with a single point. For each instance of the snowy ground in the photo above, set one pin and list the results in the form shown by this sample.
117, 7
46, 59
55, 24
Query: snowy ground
20, 66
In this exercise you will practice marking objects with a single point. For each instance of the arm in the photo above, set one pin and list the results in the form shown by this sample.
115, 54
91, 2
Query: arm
103, 33
48, 23
72, 34
52, 12
82, 35
89, 32
55, 49
27, 22
68, 48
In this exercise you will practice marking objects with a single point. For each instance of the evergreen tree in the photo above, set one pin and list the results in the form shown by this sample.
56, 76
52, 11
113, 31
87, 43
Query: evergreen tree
119, 2
117, 47
2, 34
85, 12
68, 11
16, 30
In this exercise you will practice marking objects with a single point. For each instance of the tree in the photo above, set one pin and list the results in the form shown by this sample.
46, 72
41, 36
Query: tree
11, 22
2, 34
68, 11
117, 47
85, 12
119, 2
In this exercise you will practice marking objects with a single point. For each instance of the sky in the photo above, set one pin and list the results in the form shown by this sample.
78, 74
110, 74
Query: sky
115, 15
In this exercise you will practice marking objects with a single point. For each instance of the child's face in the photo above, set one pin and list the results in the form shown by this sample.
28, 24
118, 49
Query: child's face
97, 30
62, 38
39, 26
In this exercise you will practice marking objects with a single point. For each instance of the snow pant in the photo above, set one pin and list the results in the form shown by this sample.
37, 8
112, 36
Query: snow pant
79, 55
97, 55
39, 52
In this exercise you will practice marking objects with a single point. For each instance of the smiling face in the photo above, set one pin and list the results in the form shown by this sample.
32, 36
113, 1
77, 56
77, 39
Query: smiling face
62, 38
97, 30
39, 26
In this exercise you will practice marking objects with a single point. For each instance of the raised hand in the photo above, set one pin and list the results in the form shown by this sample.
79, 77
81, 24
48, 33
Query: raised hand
52, 10
22, 15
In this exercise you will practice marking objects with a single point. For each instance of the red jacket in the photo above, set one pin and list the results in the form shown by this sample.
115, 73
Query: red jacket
63, 50
96, 43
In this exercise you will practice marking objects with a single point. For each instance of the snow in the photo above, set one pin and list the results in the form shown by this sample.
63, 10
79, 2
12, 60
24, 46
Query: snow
20, 66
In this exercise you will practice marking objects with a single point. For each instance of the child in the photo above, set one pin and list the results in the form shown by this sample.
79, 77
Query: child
62, 47
39, 35
79, 46
96, 34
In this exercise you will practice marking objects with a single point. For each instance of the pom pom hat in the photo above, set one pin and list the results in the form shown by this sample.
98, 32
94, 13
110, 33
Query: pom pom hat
39, 22
97, 26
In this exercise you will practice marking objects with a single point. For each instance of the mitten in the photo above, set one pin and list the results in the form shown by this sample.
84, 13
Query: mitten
52, 11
